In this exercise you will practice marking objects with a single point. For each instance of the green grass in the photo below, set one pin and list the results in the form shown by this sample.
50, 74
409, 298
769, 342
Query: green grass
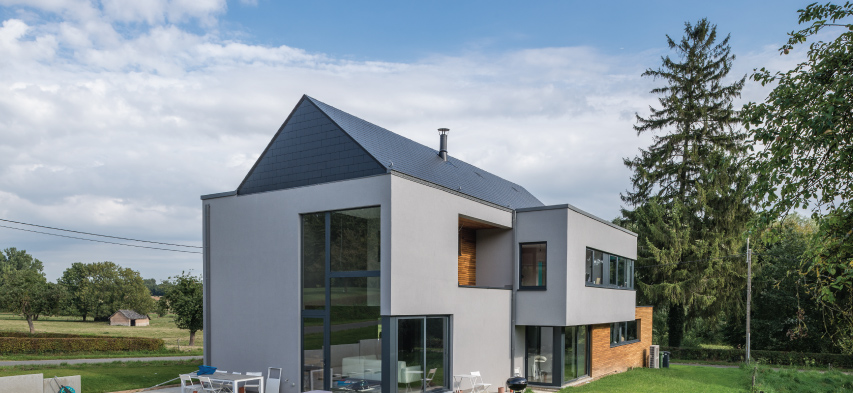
176, 340
673, 379
111, 377
784, 381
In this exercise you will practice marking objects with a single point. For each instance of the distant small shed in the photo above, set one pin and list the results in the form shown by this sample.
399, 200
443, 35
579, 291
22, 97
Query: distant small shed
129, 318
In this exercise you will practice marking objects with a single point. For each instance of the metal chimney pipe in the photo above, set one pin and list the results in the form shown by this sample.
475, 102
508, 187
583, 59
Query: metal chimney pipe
442, 151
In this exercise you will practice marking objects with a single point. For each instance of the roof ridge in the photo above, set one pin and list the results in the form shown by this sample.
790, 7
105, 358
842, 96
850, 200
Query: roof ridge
325, 108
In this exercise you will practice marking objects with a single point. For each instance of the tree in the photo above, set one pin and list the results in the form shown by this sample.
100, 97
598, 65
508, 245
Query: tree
14, 259
689, 186
784, 313
24, 287
185, 298
100, 289
804, 158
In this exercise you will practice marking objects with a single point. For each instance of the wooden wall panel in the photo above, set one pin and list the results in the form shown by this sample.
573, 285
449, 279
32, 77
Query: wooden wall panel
468, 257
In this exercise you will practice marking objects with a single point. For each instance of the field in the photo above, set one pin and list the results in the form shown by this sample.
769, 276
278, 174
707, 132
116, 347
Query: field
110, 377
164, 328
673, 379
713, 379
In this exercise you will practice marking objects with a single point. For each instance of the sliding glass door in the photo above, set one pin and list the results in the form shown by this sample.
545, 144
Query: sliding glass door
575, 355
555, 355
421, 353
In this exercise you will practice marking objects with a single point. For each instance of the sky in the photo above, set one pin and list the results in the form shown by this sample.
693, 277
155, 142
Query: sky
116, 116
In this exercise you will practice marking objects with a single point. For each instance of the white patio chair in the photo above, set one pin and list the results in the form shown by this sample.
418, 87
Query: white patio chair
236, 373
477, 381
253, 386
188, 385
273, 380
208, 386
430, 375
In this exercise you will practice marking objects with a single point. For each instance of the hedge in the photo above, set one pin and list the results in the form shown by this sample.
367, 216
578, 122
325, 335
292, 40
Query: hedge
38, 345
43, 335
779, 358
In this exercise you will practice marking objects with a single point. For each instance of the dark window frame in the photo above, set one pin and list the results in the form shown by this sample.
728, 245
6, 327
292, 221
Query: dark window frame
618, 343
330, 274
629, 279
542, 287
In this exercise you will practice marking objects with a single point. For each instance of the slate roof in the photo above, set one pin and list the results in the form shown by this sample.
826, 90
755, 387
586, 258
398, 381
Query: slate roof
404, 155
130, 314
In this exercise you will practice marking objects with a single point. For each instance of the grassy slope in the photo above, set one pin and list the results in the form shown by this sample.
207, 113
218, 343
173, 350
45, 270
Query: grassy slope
110, 377
163, 328
674, 379
785, 381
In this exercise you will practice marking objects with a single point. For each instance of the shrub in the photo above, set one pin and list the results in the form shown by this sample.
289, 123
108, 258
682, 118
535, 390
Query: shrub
42, 345
780, 358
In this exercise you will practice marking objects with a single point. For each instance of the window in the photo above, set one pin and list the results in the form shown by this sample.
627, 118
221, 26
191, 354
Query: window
575, 352
533, 266
340, 297
624, 332
539, 341
608, 270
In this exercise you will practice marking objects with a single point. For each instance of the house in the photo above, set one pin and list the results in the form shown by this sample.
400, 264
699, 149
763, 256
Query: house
128, 318
350, 253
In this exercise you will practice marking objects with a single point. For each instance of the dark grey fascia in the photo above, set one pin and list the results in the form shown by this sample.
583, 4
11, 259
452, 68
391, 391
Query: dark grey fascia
575, 209
218, 195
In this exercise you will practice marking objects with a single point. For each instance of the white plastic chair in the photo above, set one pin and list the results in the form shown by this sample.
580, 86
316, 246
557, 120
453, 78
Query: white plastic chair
253, 386
236, 373
188, 385
273, 382
477, 381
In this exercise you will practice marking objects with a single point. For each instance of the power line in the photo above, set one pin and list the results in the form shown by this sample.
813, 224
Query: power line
95, 234
696, 261
99, 241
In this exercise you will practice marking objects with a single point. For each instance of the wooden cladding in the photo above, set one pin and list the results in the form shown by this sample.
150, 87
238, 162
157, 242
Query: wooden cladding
467, 256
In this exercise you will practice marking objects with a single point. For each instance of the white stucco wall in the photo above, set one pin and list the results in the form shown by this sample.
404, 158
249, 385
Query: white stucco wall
254, 274
494, 258
424, 276
567, 300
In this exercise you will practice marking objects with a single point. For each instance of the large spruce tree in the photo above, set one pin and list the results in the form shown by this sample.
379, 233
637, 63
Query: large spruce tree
688, 200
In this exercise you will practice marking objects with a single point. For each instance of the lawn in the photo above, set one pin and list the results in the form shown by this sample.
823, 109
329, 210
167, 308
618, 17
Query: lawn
673, 379
784, 381
111, 377
164, 328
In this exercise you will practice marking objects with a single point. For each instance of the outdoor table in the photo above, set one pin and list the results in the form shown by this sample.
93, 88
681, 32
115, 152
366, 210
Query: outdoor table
457, 379
234, 380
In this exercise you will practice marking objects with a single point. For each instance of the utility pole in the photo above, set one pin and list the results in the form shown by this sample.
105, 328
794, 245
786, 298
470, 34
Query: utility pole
748, 295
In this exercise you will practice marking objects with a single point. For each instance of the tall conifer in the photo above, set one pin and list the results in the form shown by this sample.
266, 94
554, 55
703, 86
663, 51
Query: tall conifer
688, 186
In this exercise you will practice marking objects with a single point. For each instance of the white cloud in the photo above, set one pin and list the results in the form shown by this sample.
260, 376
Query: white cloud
121, 133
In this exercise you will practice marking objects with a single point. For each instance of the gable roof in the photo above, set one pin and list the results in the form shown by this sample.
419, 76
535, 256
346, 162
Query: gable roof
130, 314
373, 150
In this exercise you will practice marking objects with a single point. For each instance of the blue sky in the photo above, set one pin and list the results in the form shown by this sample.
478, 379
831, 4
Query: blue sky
407, 31
115, 116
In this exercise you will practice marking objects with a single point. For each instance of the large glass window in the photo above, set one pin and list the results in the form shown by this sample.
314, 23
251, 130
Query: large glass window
355, 331
314, 261
624, 332
608, 270
340, 299
422, 354
312, 354
533, 265
540, 354
575, 352
355, 239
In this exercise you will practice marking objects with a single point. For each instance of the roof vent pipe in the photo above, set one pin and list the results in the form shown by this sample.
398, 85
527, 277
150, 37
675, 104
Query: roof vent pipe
442, 151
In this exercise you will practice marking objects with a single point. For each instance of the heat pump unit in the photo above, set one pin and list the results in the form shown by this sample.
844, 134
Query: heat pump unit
654, 356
